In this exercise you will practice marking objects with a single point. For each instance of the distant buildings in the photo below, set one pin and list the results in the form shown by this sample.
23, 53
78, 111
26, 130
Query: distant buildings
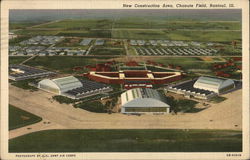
42, 40
99, 42
85, 42
22, 72
12, 35
143, 101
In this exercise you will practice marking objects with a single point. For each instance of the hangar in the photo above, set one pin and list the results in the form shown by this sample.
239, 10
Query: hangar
203, 88
217, 85
72, 87
60, 85
142, 101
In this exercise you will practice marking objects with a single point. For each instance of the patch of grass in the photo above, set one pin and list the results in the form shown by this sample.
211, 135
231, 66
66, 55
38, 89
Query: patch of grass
218, 99
19, 118
156, 69
175, 24
17, 60
83, 24
185, 62
86, 33
139, 34
24, 84
21, 25
184, 35
204, 36
63, 99
107, 51
36, 32
129, 140
58, 62
92, 106
182, 105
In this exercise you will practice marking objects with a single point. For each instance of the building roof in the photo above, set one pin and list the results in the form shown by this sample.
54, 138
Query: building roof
143, 97
211, 83
67, 83
210, 80
21, 72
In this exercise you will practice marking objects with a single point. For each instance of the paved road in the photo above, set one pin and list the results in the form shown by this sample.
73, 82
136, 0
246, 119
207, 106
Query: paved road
219, 116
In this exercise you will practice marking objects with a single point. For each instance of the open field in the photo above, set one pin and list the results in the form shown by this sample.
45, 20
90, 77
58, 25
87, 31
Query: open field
71, 24
58, 63
17, 60
19, 118
142, 140
108, 51
184, 35
85, 33
185, 62
141, 23
175, 24
36, 32
139, 28
21, 25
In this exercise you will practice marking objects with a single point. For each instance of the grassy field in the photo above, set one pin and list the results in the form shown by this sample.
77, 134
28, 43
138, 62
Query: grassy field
218, 99
58, 63
185, 62
139, 34
20, 118
108, 51
17, 60
86, 33
185, 35
133, 140
155, 69
21, 25
140, 28
36, 32
93, 106
182, 105
175, 24
24, 84
70, 24
143, 23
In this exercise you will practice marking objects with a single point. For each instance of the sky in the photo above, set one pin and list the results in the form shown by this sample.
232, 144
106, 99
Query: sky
195, 14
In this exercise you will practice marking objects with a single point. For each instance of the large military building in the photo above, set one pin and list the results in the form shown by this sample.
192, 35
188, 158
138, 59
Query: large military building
143, 100
217, 85
72, 87
204, 87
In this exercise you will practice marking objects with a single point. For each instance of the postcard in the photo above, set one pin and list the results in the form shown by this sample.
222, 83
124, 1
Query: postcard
124, 80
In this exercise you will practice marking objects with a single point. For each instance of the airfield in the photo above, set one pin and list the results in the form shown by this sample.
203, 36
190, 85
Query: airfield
192, 48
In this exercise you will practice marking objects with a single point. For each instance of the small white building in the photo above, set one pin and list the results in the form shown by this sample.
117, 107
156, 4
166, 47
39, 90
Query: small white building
217, 85
142, 101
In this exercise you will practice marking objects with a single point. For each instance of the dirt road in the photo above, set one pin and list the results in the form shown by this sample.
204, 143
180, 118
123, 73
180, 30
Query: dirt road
225, 115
